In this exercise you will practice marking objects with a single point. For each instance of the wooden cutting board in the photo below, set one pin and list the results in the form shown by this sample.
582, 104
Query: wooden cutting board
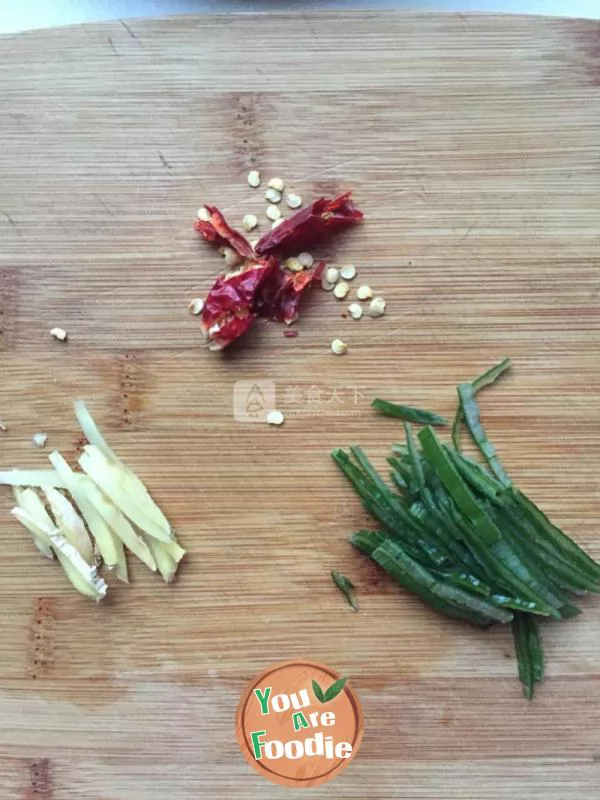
472, 144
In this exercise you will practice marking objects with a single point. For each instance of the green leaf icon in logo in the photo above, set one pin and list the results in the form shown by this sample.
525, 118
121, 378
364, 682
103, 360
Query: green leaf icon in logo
318, 692
328, 694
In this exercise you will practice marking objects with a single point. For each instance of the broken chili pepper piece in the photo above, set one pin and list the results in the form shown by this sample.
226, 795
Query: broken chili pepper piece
290, 296
280, 296
229, 329
258, 290
217, 231
261, 287
309, 225
228, 310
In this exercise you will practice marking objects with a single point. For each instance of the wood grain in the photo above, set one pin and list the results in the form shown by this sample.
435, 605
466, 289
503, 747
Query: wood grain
472, 144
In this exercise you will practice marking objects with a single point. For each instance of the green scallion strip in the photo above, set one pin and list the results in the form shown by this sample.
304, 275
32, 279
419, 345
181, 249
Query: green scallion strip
346, 587
470, 409
367, 541
447, 599
491, 375
568, 564
529, 556
369, 469
377, 494
516, 603
481, 381
558, 567
466, 581
456, 428
407, 413
415, 458
556, 537
476, 476
449, 533
530, 656
402, 467
485, 540
386, 507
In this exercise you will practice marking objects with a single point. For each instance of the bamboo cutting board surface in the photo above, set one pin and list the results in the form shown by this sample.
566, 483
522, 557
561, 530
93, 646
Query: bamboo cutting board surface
472, 145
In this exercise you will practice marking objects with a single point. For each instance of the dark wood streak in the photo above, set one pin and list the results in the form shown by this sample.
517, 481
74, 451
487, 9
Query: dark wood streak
40, 781
8, 303
587, 42
131, 379
248, 111
42, 636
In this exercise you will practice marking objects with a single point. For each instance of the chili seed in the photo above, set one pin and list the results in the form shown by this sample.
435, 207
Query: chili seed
59, 333
364, 293
254, 178
39, 439
231, 256
277, 184
273, 213
306, 260
276, 222
332, 275
338, 347
250, 222
293, 264
377, 307
293, 200
348, 272
355, 310
341, 290
204, 214
196, 306
273, 196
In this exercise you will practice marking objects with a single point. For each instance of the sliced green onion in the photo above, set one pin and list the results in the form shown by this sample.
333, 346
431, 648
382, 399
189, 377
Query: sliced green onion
485, 379
407, 413
556, 537
485, 540
367, 541
470, 409
530, 656
450, 600
415, 458
464, 539
346, 587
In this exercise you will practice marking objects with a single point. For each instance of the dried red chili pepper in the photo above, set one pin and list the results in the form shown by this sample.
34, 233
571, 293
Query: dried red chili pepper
262, 287
259, 290
309, 225
228, 310
218, 232
229, 329
291, 293
280, 296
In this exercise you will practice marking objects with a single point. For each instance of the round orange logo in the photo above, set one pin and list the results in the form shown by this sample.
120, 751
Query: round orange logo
299, 724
